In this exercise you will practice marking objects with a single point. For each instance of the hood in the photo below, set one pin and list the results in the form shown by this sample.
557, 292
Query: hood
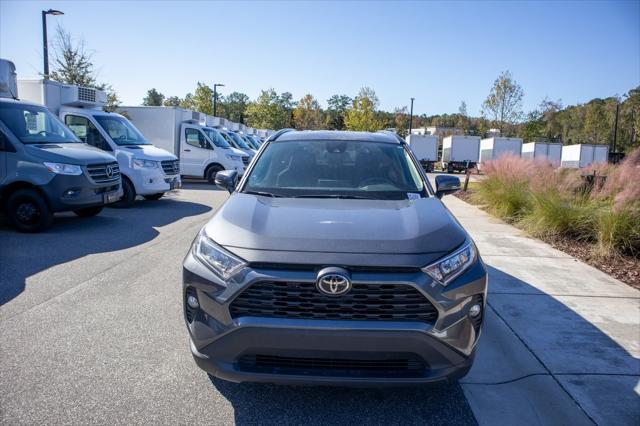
236, 151
79, 154
408, 227
148, 152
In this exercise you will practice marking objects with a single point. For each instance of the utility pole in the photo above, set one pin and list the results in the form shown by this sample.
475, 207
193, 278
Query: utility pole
45, 43
411, 116
215, 97
615, 129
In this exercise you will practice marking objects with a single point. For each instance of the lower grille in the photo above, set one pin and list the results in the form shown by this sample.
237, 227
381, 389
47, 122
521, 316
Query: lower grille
245, 160
392, 367
380, 302
171, 167
103, 173
104, 189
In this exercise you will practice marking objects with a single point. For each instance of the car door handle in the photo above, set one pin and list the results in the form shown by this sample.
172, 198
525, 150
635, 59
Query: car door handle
187, 150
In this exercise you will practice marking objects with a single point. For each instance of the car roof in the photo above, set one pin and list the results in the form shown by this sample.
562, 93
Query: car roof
337, 135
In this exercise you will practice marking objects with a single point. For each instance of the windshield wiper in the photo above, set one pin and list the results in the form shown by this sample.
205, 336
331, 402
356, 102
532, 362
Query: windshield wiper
341, 196
266, 194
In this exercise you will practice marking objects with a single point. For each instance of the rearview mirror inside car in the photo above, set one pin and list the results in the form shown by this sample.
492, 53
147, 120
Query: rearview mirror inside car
227, 179
446, 185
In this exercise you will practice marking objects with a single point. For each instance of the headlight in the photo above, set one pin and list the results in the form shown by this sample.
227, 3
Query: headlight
139, 163
216, 258
449, 267
64, 169
233, 157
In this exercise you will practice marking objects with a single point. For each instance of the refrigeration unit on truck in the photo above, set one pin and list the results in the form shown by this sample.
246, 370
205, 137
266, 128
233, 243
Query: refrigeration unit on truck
583, 155
550, 152
44, 167
494, 148
460, 153
182, 132
146, 170
425, 148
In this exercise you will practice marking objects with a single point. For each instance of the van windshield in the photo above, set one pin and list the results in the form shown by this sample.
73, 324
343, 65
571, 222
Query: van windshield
216, 138
242, 144
336, 169
35, 124
120, 130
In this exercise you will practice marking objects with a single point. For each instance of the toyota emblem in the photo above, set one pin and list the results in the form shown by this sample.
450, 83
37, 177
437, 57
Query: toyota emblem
333, 284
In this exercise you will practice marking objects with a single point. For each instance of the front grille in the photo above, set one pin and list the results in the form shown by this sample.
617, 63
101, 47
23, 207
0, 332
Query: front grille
171, 167
477, 321
99, 173
245, 160
380, 302
104, 189
390, 367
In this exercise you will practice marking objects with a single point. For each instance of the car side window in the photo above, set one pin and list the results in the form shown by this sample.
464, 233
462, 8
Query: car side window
86, 131
195, 138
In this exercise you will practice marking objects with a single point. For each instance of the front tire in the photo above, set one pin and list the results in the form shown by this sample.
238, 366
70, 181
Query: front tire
28, 211
88, 211
129, 195
211, 174
153, 197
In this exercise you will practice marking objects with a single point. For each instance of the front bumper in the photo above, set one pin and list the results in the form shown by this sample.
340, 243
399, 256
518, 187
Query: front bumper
153, 181
65, 193
331, 352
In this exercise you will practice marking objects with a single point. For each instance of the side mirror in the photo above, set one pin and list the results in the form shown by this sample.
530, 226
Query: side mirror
227, 179
446, 185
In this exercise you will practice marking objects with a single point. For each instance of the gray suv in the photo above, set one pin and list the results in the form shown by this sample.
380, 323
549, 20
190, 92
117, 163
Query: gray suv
334, 262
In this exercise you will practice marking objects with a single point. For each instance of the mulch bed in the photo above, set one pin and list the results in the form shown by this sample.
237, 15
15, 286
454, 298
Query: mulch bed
623, 268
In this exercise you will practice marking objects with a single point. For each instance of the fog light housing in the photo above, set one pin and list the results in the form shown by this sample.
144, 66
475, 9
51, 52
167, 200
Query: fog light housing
192, 301
475, 310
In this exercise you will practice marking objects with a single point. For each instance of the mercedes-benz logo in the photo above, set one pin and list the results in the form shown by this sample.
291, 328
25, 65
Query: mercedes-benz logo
109, 171
333, 284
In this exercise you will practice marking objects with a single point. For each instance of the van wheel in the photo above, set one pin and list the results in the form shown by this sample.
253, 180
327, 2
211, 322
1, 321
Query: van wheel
88, 211
128, 196
211, 174
153, 197
28, 211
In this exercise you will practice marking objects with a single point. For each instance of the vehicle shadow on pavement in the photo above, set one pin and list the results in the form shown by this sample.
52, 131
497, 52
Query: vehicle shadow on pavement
265, 404
539, 356
72, 237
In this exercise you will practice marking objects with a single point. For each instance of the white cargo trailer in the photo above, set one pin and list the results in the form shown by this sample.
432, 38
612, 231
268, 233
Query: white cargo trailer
494, 148
584, 155
202, 154
546, 151
460, 153
425, 148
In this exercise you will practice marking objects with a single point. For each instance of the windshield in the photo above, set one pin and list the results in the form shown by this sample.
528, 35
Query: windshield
242, 144
250, 142
35, 124
120, 130
340, 169
216, 138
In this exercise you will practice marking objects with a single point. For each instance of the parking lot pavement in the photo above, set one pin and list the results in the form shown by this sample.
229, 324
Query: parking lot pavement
561, 343
91, 332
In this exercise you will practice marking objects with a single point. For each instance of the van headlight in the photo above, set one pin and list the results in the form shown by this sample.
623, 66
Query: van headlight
216, 258
452, 265
64, 169
233, 157
139, 163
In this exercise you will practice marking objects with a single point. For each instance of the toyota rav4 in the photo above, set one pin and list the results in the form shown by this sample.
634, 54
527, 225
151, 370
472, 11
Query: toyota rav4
334, 262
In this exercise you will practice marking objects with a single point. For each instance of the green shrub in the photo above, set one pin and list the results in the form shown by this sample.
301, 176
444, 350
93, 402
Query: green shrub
618, 232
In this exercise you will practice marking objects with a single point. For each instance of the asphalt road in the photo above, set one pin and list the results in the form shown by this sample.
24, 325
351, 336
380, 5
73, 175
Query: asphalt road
91, 332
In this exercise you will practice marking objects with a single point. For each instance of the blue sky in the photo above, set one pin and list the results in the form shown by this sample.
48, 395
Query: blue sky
439, 53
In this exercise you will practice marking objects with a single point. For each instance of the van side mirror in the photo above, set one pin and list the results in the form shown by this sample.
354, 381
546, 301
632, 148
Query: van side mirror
227, 179
446, 185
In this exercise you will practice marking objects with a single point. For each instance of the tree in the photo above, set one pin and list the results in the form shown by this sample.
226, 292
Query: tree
337, 110
203, 99
401, 121
462, 110
153, 98
234, 106
462, 119
187, 102
172, 101
362, 115
504, 103
596, 123
270, 111
307, 115
549, 113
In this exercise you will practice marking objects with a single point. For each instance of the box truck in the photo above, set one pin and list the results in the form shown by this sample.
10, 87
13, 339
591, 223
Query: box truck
425, 148
146, 170
494, 148
44, 167
583, 155
182, 132
460, 153
544, 151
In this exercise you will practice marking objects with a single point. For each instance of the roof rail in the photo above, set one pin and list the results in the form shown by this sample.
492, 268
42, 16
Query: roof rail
277, 134
394, 134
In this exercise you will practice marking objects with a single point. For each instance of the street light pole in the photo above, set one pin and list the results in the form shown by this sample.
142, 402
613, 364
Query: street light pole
215, 97
411, 116
45, 43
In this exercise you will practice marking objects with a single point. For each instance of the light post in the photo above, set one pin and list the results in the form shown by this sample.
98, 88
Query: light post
411, 116
45, 44
215, 97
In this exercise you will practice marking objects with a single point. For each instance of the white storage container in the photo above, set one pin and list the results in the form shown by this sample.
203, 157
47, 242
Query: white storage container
494, 148
583, 155
549, 151
460, 149
424, 147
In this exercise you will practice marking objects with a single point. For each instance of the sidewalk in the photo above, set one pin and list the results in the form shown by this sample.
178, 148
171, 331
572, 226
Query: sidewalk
561, 339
